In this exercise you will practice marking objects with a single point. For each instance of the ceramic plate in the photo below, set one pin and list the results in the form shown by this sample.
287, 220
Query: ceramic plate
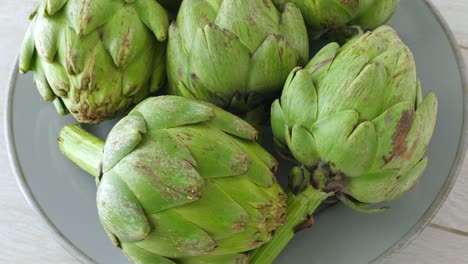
64, 196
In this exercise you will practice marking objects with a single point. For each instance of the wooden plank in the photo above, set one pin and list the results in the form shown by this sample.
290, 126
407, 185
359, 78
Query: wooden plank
455, 13
454, 212
434, 246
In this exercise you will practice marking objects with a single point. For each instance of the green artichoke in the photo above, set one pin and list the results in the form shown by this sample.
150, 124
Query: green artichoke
324, 15
234, 53
356, 122
96, 58
181, 181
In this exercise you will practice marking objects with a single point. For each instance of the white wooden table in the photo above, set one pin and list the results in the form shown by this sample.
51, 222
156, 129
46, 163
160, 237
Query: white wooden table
23, 239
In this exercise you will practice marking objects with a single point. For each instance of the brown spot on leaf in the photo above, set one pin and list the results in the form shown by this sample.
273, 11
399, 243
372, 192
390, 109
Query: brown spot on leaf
241, 163
307, 224
240, 224
281, 51
321, 64
251, 20
125, 48
180, 72
205, 18
256, 243
399, 137
398, 74
195, 246
84, 13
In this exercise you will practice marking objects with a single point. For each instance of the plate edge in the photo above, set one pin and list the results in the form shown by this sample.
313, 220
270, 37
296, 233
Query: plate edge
405, 241
457, 164
58, 236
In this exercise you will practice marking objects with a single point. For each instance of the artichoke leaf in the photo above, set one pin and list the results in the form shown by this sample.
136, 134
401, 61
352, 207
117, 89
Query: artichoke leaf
303, 146
53, 6
258, 151
142, 256
41, 81
375, 14
392, 129
86, 16
233, 125
269, 65
301, 110
408, 180
261, 16
216, 212
357, 206
421, 131
356, 155
292, 25
123, 139
221, 72
402, 80
164, 169
366, 94
46, 35
26, 57
325, 132
278, 122
333, 88
137, 74
176, 67
57, 78
225, 259
126, 37
214, 158
188, 21
259, 172
174, 236
172, 111
120, 211
320, 63
154, 16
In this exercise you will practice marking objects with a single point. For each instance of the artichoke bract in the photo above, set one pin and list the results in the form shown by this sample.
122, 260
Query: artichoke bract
96, 58
181, 181
324, 15
356, 123
234, 53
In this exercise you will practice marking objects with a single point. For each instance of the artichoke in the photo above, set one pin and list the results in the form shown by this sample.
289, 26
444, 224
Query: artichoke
181, 181
355, 121
96, 58
324, 15
234, 53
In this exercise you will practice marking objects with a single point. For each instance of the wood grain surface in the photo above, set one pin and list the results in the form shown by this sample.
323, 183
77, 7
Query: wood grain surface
24, 239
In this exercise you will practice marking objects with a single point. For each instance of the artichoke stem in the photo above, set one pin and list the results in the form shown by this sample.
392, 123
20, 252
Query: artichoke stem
299, 212
83, 148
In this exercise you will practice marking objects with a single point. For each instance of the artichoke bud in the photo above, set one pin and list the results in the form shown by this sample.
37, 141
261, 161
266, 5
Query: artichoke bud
339, 20
234, 53
356, 119
168, 193
98, 57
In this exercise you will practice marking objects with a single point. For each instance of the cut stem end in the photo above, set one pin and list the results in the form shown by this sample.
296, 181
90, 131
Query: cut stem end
83, 148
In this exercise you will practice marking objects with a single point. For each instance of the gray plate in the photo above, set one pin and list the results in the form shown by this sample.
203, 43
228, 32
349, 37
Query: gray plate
64, 196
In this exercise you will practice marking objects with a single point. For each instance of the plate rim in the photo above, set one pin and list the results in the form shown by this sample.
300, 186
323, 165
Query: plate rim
457, 164
15, 166
423, 222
